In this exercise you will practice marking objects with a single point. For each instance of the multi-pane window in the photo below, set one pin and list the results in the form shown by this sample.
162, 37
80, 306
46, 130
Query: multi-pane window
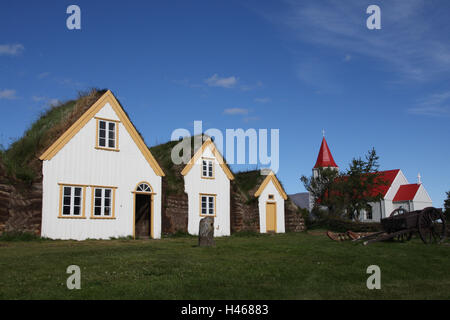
72, 201
107, 134
208, 203
207, 168
103, 199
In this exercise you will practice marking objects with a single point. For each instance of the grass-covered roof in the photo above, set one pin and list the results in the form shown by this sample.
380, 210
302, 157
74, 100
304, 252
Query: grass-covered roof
248, 182
163, 154
21, 158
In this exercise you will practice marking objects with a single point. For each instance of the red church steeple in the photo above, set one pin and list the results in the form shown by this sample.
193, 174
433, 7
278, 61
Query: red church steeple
325, 159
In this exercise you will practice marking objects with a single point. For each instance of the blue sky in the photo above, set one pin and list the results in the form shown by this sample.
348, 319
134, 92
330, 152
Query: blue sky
296, 66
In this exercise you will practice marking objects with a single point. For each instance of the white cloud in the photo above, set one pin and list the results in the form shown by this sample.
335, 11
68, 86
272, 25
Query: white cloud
233, 111
347, 58
47, 101
262, 100
216, 81
11, 49
413, 40
38, 99
247, 87
249, 119
436, 105
43, 75
53, 102
8, 94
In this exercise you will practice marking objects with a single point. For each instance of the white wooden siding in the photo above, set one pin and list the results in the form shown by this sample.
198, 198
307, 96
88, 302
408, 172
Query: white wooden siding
78, 162
263, 199
220, 185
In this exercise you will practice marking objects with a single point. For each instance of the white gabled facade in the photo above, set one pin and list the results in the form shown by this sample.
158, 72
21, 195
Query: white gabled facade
200, 188
271, 193
76, 164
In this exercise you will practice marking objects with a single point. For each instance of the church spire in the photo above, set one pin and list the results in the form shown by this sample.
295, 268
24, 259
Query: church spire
325, 159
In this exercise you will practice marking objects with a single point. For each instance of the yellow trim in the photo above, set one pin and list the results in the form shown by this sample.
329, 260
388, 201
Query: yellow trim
113, 204
83, 210
72, 184
97, 119
107, 149
275, 209
107, 187
200, 204
105, 119
152, 227
219, 158
271, 177
70, 217
143, 182
108, 97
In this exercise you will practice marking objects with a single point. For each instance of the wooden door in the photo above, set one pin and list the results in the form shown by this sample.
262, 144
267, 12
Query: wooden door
271, 217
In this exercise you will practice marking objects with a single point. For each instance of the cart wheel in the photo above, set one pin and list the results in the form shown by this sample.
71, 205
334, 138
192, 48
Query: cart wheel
404, 237
432, 225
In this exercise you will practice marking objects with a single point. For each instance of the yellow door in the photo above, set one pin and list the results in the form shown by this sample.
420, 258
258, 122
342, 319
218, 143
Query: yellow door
271, 217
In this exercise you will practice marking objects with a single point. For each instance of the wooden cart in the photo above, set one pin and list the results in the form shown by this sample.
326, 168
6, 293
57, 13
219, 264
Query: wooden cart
429, 223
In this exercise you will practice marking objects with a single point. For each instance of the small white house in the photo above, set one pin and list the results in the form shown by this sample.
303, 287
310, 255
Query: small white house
100, 179
271, 197
207, 184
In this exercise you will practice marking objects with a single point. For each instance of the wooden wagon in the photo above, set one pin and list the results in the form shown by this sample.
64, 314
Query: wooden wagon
429, 223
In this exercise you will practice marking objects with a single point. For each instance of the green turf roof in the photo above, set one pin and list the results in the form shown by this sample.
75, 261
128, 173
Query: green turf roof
21, 159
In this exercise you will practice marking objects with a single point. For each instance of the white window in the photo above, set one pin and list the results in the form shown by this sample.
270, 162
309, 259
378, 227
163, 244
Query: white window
107, 134
369, 213
72, 201
207, 168
208, 205
103, 202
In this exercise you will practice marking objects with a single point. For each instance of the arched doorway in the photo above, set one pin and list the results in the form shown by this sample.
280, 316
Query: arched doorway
143, 211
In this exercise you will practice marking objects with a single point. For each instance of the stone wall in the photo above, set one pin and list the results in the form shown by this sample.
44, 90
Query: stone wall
244, 215
293, 220
174, 213
20, 205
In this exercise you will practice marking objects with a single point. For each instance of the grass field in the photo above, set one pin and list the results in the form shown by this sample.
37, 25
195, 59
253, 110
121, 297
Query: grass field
284, 266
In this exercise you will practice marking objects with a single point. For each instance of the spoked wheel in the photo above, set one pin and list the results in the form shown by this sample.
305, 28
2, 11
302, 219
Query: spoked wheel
432, 225
404, 237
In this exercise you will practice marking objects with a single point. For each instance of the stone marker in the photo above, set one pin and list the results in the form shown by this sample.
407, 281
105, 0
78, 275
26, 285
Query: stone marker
206, 232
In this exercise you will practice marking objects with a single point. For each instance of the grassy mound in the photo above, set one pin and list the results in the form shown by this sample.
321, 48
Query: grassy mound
21, 159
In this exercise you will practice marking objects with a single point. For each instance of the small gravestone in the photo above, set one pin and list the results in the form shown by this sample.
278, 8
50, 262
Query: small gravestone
206, 232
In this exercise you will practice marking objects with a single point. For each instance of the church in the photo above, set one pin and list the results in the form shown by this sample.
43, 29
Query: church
397, 193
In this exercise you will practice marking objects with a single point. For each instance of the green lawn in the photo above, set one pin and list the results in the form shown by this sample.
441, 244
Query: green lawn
285, 266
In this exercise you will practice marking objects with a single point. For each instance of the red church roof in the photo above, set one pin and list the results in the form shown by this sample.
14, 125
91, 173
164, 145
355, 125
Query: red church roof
406, 192
325, 159
388, 177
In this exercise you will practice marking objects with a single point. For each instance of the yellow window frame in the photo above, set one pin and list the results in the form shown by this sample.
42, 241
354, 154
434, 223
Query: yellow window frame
97, 146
